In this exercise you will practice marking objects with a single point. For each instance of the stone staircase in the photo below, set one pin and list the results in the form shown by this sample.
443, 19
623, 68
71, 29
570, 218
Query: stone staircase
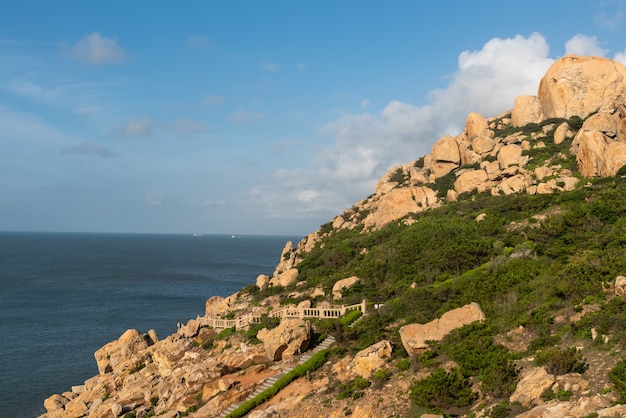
269, 382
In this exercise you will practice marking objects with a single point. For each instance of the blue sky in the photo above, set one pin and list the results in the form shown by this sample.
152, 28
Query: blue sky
264, 117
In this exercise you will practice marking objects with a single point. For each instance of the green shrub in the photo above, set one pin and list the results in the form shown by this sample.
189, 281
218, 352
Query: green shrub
350, 317
442, 390
618, 377
561, 361
353, 389
403, 364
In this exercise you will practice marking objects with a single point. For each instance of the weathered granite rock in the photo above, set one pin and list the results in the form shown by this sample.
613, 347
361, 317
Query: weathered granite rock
55, 402
577, 85
531, 385
415, 336
291, 337
285, 278
262, 281
343, 284
472, 180
527, 109
287, 259
367, 361
620, 286
116, 352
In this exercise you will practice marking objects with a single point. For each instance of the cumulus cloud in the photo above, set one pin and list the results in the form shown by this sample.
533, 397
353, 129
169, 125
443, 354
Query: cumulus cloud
584, 45
362, 147
620, 57
243, 117
96, 49
90, 148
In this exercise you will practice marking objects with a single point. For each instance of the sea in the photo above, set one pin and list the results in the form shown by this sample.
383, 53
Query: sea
65, 295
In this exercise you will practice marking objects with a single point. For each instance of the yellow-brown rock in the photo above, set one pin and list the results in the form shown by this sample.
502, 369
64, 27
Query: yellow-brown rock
415, 336
472, 180
342, 284
578, 85
367, 361
291, 337
527, 109
510, 155
531, 385
285, 278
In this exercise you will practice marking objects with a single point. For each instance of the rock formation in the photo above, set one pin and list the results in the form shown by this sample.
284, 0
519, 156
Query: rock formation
415, 337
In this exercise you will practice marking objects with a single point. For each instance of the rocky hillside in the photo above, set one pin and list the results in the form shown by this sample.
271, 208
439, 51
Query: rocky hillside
483, 279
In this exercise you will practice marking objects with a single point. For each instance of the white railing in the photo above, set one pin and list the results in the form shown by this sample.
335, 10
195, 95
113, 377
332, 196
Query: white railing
288, 312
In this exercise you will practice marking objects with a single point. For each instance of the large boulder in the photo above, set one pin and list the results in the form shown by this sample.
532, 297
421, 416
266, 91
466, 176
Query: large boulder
531, 385
116, 353
285, 278
415, 336
398, 203
577, 85
527, 109
343, 284
601, 144
291, 337
367, 361
472, 180
287, 259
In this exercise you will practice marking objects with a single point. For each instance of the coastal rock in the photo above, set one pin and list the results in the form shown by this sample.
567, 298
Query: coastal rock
398, 203
287, 259
55, 402
445, 156
367, 361
285, 278
601, 144
472, 180
527, 109
531, 385
415, 336
113, 354
510, 155
262, 281
291, 337
476, 126
578, 86
343, 284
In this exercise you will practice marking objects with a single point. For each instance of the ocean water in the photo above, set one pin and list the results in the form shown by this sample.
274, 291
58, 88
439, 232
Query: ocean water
63, 296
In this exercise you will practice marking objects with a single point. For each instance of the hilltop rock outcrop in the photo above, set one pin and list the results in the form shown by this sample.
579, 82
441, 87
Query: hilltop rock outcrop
579, 86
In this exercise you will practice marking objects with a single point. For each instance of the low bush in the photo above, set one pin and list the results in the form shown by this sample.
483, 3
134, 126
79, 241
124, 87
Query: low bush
442, 390
559, 361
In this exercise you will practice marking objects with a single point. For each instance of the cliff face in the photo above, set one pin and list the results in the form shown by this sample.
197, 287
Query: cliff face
575, 128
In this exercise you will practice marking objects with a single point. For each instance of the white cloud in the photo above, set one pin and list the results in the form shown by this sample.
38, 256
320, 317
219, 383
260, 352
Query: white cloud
199, 42
243, 117
96, 49
136, 127
90, 148
620, 57
584, 45
364, 146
